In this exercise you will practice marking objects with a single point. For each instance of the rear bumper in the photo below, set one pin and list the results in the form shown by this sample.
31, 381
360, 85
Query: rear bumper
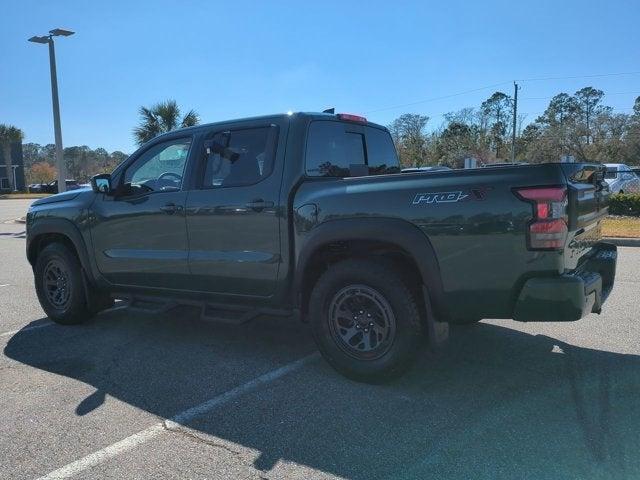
570, 296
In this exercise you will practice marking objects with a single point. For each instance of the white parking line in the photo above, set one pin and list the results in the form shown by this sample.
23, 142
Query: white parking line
13, 332
126, 444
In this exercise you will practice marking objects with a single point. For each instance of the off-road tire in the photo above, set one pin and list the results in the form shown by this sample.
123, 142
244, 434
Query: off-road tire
384, 282
57, 267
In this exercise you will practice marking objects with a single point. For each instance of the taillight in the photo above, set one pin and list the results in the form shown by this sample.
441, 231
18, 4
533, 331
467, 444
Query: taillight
548, 228
351, 118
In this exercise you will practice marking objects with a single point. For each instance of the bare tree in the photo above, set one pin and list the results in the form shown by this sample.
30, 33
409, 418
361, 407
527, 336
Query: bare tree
409, 136
588, 103
497, 109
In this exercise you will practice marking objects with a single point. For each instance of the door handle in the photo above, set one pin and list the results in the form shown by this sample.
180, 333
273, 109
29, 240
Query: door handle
259, 204
170, 208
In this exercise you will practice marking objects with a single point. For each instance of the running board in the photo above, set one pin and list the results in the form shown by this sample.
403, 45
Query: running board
227, 314
211, 312
153, 306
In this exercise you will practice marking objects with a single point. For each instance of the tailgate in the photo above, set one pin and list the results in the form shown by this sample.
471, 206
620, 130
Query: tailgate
588, 204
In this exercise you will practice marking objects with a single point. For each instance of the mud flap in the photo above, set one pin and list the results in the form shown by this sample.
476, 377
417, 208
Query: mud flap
96, 301
437, 332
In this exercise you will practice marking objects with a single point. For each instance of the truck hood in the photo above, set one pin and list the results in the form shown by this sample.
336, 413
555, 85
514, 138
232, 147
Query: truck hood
64, 196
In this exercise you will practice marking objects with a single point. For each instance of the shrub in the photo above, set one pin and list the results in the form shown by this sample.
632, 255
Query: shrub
625, 204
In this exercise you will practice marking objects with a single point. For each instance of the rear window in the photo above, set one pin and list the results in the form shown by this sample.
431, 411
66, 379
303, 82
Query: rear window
335, 149
611, 173
381, 154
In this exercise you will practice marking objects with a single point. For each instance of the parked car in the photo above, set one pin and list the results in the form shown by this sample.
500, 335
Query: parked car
621, 179
435, 168
52, 187
299, 215
636, 170
504, 164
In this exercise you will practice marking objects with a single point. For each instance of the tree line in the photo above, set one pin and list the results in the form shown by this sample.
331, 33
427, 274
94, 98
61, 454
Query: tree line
81, 162
578, 125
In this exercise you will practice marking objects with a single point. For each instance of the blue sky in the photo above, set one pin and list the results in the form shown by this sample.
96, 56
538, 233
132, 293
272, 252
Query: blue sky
240, 58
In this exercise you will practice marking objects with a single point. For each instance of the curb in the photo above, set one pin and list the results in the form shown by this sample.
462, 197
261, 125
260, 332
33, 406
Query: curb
623, 242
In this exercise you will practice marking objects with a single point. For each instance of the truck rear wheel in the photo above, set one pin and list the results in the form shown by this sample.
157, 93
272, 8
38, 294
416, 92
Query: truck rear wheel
365, 320
59, 285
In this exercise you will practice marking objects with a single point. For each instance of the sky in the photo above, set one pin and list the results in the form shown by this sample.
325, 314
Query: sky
243, 58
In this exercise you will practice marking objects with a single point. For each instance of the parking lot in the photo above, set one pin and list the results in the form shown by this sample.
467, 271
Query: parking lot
133, 395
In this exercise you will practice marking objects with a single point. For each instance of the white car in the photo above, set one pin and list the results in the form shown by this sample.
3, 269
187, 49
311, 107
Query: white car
621, 179
435, 168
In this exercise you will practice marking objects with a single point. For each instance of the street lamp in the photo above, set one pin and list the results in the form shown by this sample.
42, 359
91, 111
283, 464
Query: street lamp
48, 39
15, 177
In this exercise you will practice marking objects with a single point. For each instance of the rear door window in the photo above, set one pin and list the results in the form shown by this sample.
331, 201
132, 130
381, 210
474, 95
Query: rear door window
338, 149
331, 149
239, 157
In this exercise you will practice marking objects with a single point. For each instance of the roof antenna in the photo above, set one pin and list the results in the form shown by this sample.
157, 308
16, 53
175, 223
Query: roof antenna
331, 110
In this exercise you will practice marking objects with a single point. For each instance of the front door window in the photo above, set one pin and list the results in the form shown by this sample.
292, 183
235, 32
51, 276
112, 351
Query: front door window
159, 169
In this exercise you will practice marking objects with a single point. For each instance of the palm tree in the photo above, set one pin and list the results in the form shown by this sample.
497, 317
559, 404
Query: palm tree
161, 118
8, 136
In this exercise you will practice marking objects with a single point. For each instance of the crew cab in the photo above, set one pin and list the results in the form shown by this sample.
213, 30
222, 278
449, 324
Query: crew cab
309, 215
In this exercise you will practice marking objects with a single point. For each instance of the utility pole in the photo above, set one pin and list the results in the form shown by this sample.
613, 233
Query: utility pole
515, 120
48, 39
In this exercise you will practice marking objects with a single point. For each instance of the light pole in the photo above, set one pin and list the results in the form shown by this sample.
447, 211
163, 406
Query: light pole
15, 177
48, 39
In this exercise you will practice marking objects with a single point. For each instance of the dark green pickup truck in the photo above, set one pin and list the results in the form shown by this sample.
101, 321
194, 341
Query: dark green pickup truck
309, 215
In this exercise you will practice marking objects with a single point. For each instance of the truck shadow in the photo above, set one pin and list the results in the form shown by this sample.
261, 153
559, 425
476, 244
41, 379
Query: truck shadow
497, 403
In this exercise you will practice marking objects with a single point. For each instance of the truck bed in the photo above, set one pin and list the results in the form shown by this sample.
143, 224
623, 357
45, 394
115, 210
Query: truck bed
475, 223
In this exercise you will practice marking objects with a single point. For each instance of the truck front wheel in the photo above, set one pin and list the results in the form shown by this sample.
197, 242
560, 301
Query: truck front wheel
365, 320
59, 285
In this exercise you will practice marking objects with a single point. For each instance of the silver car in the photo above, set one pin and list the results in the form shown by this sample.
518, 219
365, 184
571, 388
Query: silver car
621, 179
435, 168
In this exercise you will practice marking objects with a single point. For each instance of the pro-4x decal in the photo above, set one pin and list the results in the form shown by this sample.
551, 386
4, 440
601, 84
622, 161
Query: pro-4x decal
478, 193
439, 197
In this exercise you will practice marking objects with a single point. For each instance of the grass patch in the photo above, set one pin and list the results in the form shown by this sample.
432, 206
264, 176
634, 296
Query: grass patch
22, 196
624, 227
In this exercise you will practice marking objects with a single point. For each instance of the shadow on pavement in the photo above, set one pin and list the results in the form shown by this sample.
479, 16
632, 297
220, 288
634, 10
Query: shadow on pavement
498, 403
22, 234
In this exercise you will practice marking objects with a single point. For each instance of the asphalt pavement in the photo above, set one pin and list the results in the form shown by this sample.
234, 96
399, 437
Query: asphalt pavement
131, 395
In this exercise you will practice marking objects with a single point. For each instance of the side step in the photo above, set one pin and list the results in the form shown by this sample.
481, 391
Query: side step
148, 305
228, 314
212, 312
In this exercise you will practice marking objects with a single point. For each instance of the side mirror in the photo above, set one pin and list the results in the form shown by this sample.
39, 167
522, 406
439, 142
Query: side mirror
102, 183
